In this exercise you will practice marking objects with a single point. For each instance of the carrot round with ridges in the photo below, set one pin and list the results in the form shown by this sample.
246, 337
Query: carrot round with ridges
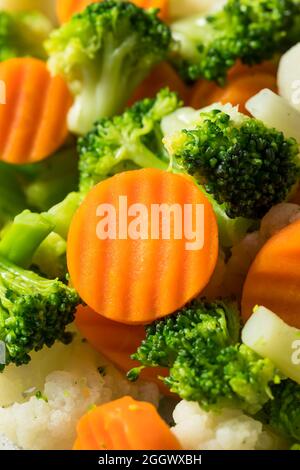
273, 280
33, 121
124, 424
136, 281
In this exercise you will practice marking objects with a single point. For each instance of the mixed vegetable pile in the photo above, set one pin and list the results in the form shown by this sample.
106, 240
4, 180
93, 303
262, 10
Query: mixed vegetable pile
159, 100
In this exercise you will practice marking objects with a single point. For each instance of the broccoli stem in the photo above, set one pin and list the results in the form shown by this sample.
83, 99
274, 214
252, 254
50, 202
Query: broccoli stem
106, 86
141, 156
23, 237
231, 231
50, 257
40, 239
61, 215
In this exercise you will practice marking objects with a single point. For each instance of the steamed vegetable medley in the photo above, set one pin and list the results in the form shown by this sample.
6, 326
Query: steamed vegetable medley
183, 102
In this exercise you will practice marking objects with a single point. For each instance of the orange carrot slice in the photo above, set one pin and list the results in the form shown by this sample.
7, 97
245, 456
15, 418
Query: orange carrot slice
124, 424
33, 120
274, 277
242, 69
135, 281
243, 83
162, 76
65, 9
117, 342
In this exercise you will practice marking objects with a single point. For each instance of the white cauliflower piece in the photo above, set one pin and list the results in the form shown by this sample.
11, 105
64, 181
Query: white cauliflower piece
75, 378
230, 429
288, 77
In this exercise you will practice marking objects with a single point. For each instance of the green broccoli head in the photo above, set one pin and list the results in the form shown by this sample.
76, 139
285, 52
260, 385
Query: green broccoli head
23, 34
215, 324
34, 312
283, 412
234, 376
104, 53
249, 30
243, 164
206, 364
129, 141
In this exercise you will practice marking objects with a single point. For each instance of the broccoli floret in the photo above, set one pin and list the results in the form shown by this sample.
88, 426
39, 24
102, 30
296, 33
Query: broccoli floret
243, 164
249, 30
206, 364
33, 312
295, 447
283, 412
216, 323
129, 141
104, 53
23, 34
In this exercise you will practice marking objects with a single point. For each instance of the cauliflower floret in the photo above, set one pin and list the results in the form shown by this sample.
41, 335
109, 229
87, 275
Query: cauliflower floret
230, 429
45, 417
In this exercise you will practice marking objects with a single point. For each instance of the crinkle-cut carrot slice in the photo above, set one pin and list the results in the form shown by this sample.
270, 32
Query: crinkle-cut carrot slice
33, 122
136, 281
273, 280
